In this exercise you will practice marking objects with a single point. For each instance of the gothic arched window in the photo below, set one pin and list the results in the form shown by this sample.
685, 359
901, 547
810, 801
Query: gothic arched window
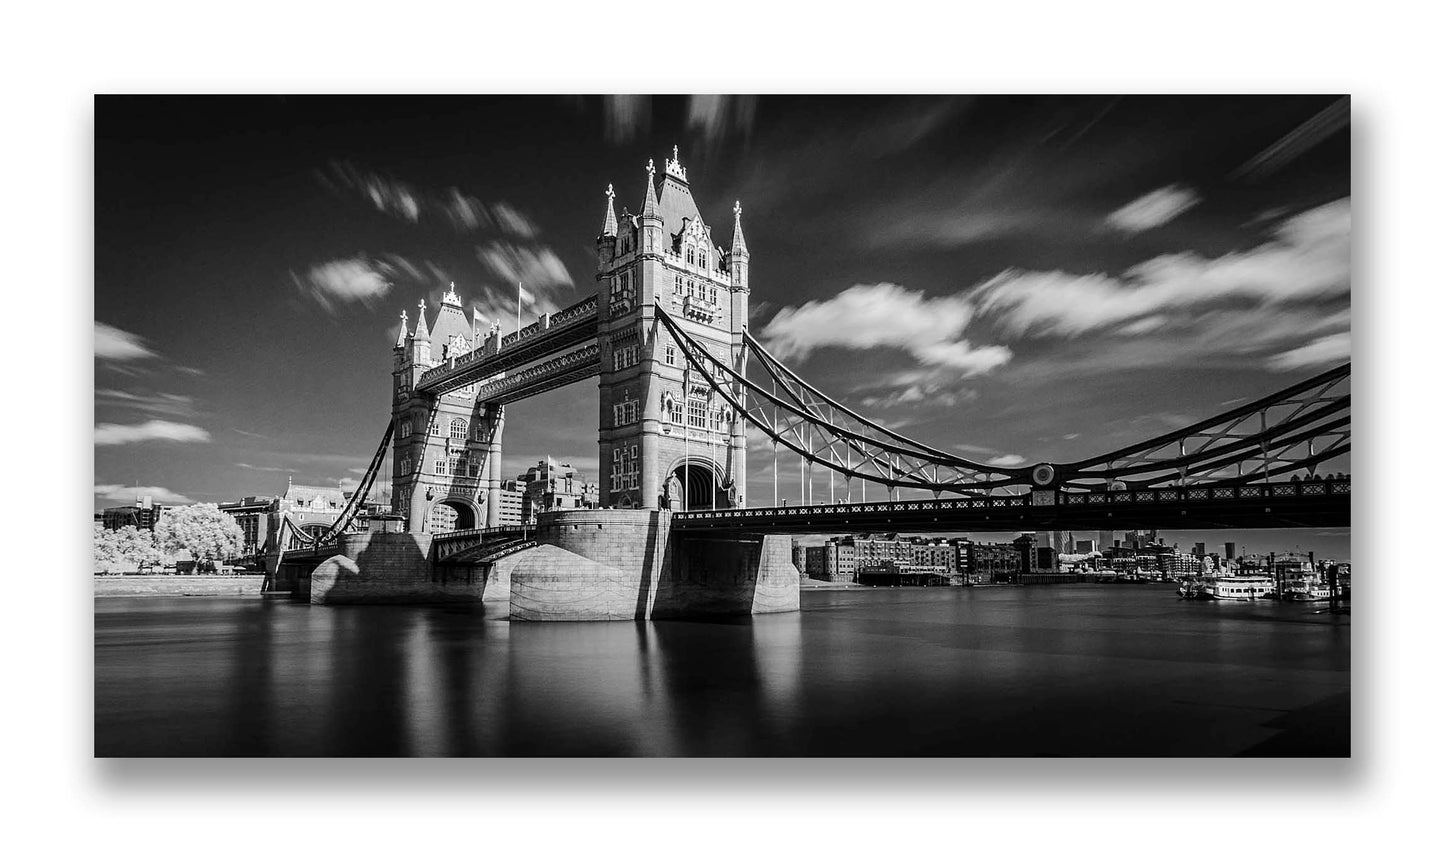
459, 429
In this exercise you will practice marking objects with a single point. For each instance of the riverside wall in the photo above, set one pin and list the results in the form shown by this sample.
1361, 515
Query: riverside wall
170, 585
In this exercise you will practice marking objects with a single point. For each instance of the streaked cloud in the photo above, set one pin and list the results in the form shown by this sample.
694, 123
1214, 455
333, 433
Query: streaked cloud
157, 403
1295, 143
718, 115
130, 493
1327, 350
869, 316
542, 274
114, 344
1152, 210
413, 204
1007, 460
350, 280
625, 116
115, 434
1308, 260
267, 469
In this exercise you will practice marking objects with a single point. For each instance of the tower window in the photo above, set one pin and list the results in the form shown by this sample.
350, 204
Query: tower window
670, 355
436, 429
439, 467
459, 429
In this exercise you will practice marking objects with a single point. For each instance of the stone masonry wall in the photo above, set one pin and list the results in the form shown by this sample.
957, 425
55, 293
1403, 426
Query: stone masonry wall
623, 564
388, 568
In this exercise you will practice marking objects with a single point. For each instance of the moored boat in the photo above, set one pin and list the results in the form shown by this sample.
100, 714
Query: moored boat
1237, 588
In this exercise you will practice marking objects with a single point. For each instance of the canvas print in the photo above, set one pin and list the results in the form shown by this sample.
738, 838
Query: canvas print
722, 426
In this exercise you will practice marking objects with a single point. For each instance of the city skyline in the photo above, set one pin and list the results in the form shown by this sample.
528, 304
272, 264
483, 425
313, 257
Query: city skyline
946, 265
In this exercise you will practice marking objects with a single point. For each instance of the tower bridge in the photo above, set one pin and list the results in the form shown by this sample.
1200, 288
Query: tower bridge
680, 380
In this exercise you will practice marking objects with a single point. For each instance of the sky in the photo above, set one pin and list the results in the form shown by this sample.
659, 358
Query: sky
1013, 279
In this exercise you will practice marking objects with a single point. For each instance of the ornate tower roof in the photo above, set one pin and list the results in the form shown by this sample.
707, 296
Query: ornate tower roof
676, 205
401, 335
609, 224
421, 332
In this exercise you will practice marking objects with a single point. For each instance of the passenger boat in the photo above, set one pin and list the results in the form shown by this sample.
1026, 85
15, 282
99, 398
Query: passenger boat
1306, 589
1229, 588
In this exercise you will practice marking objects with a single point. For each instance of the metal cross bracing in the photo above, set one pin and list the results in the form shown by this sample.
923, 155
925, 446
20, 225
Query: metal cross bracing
1286, 433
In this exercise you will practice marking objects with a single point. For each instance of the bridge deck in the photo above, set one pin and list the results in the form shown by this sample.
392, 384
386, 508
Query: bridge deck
561, 331
1322, 503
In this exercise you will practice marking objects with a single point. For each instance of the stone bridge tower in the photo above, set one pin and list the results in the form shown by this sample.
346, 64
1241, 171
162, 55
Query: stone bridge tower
447, 450
665, 437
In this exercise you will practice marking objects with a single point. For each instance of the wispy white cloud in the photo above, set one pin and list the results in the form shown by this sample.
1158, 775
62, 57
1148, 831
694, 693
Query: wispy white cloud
114, 434
1327, 350
625, 116
1289, 147
115, 344
413, 204
1152, 210
349, 280
249, 434
175, 405
717, 115
869, 316
1308, 260
1007, 460
267, 469
544, 278
129, 493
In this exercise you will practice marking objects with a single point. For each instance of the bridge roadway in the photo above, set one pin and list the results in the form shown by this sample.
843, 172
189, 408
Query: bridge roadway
1315, 503
549, 336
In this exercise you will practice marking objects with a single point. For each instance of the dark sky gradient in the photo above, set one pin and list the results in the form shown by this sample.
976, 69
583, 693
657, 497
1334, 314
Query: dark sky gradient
213, 214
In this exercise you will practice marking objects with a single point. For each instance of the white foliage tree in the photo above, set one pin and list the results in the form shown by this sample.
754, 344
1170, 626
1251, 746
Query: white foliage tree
126, 549
203, 529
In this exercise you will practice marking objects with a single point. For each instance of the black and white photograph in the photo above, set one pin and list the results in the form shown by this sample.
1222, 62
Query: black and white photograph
764, 425
708, 425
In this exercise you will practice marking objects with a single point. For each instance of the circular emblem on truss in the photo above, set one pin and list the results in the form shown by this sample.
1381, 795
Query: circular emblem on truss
1042, 475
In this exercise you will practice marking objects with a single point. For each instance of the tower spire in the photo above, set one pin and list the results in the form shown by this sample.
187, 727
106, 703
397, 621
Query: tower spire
421, 329
401, 335
739, 244
609, 224
649, 205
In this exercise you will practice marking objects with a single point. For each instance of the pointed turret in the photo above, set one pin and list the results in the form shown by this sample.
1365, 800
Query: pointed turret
421, 338
609, 223
738, 253
401, 335
739, 244
649, 205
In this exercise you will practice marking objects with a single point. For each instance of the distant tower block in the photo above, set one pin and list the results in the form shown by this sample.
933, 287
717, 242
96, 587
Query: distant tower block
666, 439
445, 450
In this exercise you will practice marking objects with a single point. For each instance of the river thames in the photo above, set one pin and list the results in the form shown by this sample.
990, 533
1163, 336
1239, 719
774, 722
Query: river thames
1072, 670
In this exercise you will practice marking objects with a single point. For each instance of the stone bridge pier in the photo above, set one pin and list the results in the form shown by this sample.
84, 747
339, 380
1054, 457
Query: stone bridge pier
588, 565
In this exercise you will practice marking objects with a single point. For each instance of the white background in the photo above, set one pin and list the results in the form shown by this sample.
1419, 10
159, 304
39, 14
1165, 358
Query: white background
58, 55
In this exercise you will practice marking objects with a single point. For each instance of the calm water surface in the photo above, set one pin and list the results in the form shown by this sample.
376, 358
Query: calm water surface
998, 671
